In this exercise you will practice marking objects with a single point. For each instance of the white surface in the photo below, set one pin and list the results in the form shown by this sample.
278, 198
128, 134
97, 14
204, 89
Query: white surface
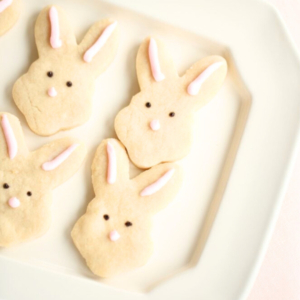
280, 272
257, 182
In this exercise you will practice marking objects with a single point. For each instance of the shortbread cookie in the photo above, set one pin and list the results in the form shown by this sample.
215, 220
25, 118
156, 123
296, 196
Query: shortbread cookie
157, 126
27, 180
114, 234
9, 14
56, 93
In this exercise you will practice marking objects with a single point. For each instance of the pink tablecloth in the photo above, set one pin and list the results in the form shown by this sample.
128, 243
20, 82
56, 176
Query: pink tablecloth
279, 277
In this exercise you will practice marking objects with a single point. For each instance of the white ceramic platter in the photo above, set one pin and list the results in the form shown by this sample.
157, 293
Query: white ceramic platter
245, 169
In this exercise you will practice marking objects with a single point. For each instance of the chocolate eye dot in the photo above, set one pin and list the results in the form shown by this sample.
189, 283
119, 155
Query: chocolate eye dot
5, 186
69, 84
106, 217
172, 114
148, 104
50, 74
29, 194
128, 224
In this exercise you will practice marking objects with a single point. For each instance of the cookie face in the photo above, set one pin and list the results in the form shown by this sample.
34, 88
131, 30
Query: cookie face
56, 93
27, 180
157, 126
114, 235
9, 14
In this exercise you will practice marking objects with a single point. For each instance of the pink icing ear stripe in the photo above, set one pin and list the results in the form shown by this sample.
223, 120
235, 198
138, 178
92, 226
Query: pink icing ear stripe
91, 52
112, 164
157, 185
54, 38
154, 61
11, 142
58, 160
4, 4
195, 86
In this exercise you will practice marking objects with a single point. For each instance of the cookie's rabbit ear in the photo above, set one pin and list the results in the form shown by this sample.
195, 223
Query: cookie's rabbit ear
154, 63
204, 79
99, 46
158, 186
56, 162
53, 32
12, 139
110, 166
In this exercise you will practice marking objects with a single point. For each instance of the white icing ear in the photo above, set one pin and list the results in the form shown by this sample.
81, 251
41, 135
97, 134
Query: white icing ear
111, 164
157, 185
101, 41
58, 160
55, 40
10, 139
195, 86
154, 61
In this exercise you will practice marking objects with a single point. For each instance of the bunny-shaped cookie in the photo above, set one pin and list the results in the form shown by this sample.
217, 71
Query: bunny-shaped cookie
56, 93
9, 14
114, 234
157, 125
27, 180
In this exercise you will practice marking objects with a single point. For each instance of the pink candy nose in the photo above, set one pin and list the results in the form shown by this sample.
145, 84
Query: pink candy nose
155, 125
52, 92
114, 235
14, 202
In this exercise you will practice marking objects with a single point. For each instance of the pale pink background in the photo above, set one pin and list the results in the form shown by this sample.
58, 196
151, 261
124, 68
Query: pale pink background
279, 277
